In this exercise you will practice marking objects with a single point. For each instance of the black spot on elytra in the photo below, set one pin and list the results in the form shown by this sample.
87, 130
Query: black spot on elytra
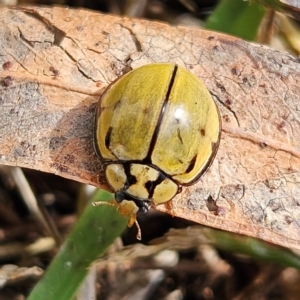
202, 131
191, 164
179, 136
107, 137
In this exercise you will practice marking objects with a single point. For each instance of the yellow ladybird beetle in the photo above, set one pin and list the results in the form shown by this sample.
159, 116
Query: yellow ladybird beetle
157, 128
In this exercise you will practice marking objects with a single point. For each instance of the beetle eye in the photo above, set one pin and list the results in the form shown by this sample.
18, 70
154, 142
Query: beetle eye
119, 196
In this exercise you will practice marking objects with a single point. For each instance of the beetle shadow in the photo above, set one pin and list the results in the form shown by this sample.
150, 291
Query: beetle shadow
71, 145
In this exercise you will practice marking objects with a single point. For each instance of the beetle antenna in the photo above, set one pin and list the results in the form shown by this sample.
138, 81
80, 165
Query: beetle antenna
103, 203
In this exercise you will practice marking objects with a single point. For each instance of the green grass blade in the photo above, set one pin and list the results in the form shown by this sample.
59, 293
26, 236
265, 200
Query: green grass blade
252, 247
237, 17
96, 229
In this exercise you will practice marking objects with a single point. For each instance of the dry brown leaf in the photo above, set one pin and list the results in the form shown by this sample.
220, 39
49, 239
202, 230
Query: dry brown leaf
54, 63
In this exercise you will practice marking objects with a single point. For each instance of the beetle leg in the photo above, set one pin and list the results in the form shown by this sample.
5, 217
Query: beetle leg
170, 208
132, 220
126, 209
